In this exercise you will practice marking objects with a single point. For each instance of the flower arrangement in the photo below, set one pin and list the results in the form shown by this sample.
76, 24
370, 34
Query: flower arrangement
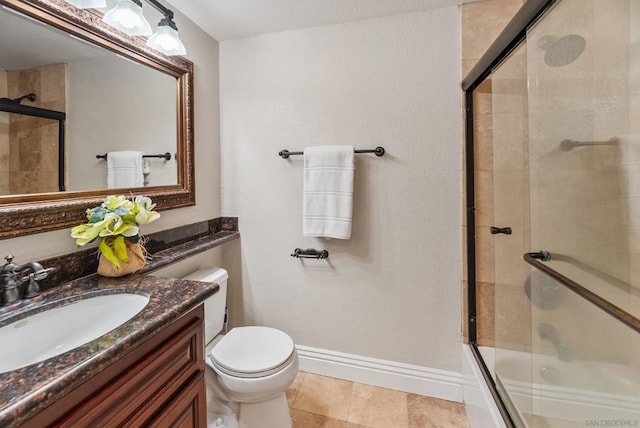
116, 223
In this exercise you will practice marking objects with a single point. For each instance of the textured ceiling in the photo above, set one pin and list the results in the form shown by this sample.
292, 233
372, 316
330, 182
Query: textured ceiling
233, 19
222, 19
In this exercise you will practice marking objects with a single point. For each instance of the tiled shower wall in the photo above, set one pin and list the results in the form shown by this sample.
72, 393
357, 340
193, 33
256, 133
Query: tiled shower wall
33, 142
481, 23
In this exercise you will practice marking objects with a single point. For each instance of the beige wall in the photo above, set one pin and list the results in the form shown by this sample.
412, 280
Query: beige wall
108, 116
390, 292
203, 51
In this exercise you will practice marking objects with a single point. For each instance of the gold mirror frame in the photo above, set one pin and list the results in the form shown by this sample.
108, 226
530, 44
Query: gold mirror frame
27, 214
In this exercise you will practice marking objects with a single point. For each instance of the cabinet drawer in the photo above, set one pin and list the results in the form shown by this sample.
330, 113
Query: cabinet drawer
187, 410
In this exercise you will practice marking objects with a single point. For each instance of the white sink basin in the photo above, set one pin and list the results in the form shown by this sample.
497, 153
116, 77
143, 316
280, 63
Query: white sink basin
60, 329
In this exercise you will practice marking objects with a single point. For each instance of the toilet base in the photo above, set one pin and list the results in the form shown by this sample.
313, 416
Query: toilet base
272, 413
222, 421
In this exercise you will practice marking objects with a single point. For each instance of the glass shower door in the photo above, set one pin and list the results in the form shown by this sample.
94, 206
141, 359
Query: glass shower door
511, 233
557, 148
583, 66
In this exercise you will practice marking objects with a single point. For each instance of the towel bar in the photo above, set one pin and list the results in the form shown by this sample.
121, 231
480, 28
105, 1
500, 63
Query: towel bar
379, 151
310, 253
567, 145
166, 156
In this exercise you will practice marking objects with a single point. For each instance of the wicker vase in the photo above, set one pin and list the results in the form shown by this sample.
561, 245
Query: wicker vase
137, 261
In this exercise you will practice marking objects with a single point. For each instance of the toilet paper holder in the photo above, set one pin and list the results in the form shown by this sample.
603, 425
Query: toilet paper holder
310, 253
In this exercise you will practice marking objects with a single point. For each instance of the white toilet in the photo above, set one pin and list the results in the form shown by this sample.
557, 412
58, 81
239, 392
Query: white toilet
249, 369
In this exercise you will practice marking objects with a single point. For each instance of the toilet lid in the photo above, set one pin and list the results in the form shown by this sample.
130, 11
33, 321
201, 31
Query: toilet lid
252, 350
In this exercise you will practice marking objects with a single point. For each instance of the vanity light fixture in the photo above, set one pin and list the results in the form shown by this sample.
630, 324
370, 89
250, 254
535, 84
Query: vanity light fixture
166, 39
127, 17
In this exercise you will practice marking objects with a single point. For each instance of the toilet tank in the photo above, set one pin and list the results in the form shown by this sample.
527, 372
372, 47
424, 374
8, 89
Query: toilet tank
213, 306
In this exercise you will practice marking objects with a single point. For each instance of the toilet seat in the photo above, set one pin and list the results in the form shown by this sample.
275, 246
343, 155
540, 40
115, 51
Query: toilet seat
252, 352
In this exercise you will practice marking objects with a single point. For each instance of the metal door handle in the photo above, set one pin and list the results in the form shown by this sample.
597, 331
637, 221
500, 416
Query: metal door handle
496, 230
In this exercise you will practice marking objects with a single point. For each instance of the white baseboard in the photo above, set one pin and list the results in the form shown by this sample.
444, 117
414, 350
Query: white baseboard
443, 384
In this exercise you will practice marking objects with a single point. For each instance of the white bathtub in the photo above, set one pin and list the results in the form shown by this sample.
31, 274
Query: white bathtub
586, 393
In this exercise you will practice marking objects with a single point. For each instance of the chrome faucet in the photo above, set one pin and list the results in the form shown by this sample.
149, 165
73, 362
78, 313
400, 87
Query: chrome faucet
11, 284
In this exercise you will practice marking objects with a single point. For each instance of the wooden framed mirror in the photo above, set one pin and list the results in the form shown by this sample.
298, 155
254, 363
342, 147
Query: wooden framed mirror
161, 117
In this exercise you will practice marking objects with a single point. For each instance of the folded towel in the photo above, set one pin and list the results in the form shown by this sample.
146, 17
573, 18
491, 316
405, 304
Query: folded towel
328, 191
124, 169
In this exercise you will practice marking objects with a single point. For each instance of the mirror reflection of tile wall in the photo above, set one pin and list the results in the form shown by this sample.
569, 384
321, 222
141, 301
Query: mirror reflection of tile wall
4, 139
29, 145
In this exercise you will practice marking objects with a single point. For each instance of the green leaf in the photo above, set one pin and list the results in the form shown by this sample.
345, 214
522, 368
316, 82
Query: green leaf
108, 253
120, 246
133, 239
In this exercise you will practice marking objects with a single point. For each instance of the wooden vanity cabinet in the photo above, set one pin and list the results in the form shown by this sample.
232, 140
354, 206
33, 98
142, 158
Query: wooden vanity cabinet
159, 383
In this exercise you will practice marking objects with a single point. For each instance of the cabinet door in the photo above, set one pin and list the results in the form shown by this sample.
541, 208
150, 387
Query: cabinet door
187, 410
144, 387
139, 386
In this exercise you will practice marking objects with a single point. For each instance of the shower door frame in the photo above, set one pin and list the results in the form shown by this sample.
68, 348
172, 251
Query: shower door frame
43, 113
508, 40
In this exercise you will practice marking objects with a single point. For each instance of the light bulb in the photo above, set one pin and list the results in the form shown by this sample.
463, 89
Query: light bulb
166, 40
127, 17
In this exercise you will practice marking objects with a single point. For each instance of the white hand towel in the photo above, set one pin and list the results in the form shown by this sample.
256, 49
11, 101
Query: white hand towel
328, 191
124, 169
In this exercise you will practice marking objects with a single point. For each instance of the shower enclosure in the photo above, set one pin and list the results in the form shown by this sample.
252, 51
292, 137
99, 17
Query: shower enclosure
32, 150
553, 214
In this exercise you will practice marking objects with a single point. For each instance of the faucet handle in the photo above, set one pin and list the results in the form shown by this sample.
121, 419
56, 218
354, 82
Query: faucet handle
42, 274
9, 266
38, 274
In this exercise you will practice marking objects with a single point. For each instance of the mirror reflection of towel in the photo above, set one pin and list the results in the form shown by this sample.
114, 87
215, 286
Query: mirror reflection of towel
328, 191
124, 170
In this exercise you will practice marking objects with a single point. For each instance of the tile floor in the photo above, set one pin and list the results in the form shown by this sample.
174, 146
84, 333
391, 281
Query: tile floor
323, 402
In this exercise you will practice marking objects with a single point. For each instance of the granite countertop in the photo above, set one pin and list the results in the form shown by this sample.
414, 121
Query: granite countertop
184, 250
26, 391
